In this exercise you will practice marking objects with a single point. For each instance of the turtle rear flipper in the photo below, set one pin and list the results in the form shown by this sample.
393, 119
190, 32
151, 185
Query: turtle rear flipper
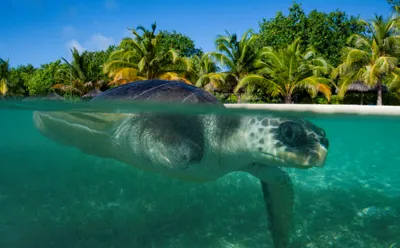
278, 196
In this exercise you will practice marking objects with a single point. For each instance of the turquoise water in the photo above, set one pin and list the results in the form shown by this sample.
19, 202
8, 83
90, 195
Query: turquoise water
56, 196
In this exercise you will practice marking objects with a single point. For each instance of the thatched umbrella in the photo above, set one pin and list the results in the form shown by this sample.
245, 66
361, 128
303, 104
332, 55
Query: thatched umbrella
361, 87
91, 94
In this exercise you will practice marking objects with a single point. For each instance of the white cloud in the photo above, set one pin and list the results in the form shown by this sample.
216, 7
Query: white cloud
96, 42
68, 31
74, 43
111, 4
99, 42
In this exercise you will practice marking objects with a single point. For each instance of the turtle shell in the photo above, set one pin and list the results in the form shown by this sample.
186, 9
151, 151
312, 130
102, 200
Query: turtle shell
173, 130
159, 91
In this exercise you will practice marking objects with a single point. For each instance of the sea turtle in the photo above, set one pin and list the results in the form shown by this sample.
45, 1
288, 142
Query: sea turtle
196, 147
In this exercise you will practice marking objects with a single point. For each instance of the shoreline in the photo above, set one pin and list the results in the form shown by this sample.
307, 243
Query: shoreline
327, 109
295, 108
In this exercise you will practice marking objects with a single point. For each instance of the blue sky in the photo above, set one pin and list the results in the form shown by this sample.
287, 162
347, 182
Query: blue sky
40, 31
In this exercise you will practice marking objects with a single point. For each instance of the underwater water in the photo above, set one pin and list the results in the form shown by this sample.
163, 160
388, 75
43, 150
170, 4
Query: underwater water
56, 196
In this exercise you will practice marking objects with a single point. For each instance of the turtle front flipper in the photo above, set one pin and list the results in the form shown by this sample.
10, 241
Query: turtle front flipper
91, 133
278, 196
171, 141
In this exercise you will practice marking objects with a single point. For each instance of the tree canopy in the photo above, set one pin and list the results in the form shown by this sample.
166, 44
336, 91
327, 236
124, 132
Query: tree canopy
142, 57
374, 59
41, 81
326, 32
282, 72
395, 4
180, 42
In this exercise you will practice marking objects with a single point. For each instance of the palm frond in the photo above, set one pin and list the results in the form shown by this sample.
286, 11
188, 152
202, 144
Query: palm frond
133, 45
386, 64
314, 85
173, 76
125, 75
3, 86
356, 55
345, 81
111, 67
394, 81
270, 86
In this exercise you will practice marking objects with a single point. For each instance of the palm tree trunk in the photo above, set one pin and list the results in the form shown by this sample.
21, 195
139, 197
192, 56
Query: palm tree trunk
379, 89
239, 98
288, 99
239, 95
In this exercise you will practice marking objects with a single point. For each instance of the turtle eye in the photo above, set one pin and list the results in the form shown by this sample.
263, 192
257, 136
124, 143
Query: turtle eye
292, 134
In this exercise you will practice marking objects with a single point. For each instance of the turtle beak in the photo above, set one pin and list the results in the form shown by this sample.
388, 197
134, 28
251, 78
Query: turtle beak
317, 158
320, 157
89, 132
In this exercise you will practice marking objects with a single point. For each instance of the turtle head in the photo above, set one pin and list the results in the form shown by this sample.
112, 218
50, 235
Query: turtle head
286, 142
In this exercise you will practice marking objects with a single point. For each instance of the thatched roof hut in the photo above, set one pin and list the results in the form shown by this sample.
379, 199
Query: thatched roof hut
361, 87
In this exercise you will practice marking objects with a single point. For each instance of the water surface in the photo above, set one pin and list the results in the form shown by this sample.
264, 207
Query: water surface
56, 196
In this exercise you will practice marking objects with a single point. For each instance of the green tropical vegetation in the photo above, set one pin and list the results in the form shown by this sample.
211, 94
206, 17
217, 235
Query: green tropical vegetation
373, 59
4, 75
143, 57
300, 57
283, 71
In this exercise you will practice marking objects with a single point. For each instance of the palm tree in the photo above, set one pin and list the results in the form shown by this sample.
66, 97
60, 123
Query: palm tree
395, 5
237, 56
373, 59
206, 73
4, 74
76, 76
77, 67
142, 58
72, 75
282, 72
